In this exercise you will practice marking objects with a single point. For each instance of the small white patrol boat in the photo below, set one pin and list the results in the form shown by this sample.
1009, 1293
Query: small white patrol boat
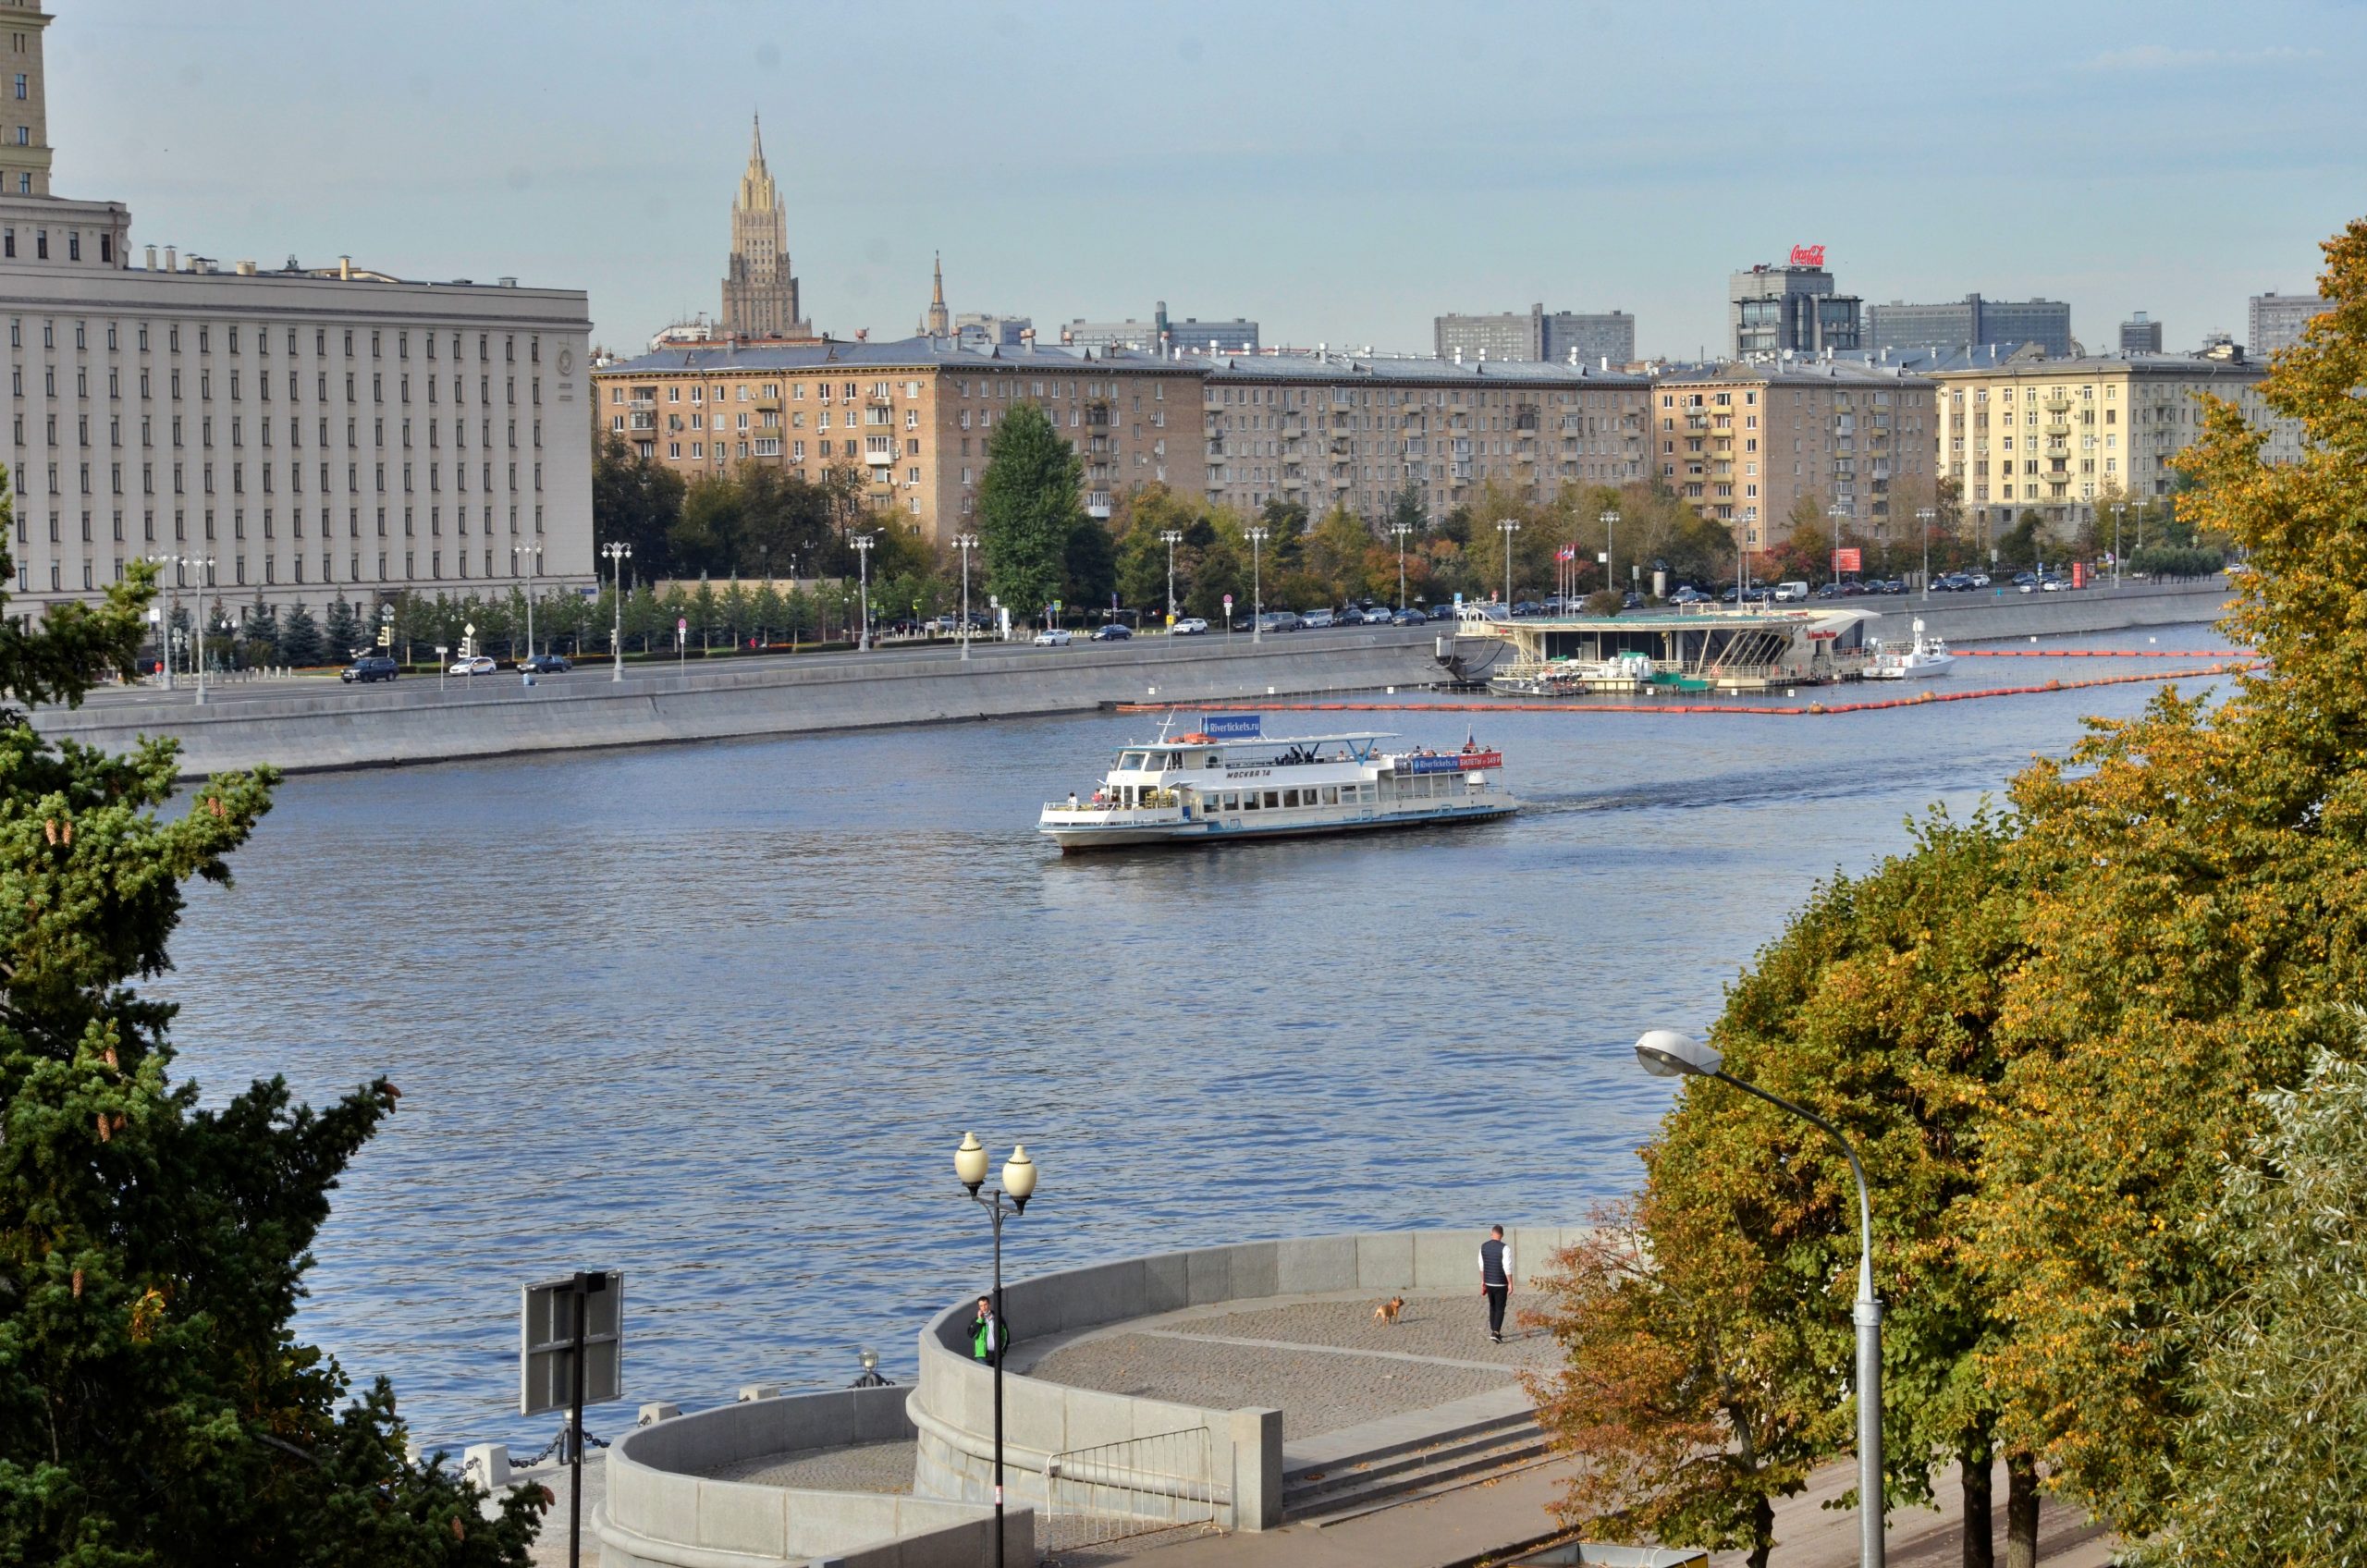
1228, 780
1927, 656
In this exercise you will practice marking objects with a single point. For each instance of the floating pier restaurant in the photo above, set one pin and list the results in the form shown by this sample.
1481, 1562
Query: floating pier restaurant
1672, 651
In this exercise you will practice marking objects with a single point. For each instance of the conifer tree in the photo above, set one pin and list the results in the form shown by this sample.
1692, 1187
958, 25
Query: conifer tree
299, 637
156, 1407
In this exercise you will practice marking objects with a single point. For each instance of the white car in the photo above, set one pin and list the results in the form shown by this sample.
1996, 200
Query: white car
478, 665
1053, 637
1190, 626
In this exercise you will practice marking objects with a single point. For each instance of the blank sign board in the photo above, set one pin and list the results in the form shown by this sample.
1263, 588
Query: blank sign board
547, 1342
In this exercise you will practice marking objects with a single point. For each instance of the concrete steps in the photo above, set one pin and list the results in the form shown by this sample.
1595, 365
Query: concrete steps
1333, 1490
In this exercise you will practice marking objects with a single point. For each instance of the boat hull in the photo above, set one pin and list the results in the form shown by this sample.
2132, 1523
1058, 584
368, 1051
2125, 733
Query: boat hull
1921, 671
1078, 837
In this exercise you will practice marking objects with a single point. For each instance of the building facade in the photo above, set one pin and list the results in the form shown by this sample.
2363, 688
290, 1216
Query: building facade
980, 329
292, 435
2060, 436
1773, 310
1744, 442
1189, 336
2141, 335
759, 285
1325, 430
1602, 340
2279, 320
1970, 323
911, 418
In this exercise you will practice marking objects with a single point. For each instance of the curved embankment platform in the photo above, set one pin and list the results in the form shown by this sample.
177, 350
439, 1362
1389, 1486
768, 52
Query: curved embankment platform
1236, 1470
664, 1508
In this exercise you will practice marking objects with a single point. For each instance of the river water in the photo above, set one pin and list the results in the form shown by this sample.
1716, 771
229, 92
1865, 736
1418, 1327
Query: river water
718, 1014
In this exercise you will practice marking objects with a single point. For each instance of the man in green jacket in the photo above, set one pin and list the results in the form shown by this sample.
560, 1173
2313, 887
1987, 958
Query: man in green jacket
987, 1336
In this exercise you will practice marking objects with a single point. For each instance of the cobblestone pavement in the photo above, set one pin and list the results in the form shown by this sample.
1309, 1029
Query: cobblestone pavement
1324, 1364
871, 1467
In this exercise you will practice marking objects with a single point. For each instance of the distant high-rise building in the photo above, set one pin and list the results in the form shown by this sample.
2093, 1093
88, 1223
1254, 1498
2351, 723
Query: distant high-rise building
938, 323
1770, 310
759, 290
1970, 323
2140, 335
2279, 320
1534, 335
981, 329
1189, 336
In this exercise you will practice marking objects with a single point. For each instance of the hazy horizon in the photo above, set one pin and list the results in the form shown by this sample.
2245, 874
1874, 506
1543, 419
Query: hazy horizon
1338, 174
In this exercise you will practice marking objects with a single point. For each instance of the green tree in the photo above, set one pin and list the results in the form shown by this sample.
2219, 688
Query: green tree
299, 638
1028, 509
156, 1408
636, 501
344, 631
1089, 564
1336, 552
2273, 1468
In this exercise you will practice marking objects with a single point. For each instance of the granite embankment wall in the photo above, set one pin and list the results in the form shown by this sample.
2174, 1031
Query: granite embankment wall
316, 725
1974, 617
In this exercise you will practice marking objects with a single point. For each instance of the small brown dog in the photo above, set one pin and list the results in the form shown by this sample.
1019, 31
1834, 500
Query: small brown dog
1389, 1311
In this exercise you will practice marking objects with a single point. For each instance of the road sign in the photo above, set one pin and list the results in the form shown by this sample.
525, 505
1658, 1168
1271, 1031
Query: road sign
547, 1342
386, 636
681, 626
1228, 601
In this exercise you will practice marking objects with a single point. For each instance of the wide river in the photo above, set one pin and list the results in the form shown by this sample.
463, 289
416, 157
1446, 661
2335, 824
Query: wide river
716, 1015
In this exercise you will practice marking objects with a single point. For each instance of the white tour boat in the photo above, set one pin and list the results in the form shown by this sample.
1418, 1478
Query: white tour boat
1228, 780
1927, 657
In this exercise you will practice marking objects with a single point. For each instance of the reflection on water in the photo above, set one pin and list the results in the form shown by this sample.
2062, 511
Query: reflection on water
718, 1014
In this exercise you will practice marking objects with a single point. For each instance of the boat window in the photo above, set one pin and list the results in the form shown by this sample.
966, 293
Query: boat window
1175, 759
1290, 799
1232, 802
1249, 800
1273, 800
1130, 759
1330, 794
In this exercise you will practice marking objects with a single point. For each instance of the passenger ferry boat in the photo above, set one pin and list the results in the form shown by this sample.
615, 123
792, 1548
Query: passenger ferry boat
1228, 780
1926, 657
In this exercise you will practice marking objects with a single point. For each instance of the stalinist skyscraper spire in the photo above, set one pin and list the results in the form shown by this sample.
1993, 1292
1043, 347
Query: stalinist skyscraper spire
759, 290
940, 321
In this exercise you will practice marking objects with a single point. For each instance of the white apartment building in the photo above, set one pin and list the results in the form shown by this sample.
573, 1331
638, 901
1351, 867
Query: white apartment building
310, 432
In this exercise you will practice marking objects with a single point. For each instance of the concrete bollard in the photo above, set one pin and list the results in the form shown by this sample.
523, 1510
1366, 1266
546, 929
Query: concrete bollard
487, 1464
658, 1411
759, 1390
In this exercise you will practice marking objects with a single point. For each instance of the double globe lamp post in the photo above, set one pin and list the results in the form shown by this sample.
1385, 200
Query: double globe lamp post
1664, 1053
1017, 1186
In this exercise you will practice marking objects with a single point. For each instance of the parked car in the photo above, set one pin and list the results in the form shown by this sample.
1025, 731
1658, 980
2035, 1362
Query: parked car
1279, 620
1787, 591
369, 667
1979, 579
1190, 626
1445, 612
2052, 584
1688, 594
1115, 631
1053, 637
1316, 620
475, 664
546, 664
1527, 607
1409, 617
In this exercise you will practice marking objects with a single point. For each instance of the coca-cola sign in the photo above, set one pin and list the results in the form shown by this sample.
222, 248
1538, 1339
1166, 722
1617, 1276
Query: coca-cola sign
1807, 255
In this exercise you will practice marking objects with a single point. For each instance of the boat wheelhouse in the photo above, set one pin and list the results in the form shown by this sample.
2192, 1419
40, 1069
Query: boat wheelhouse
1924, 657
1228, 780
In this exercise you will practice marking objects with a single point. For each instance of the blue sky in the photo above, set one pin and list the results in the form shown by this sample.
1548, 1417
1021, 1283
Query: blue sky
1339, 172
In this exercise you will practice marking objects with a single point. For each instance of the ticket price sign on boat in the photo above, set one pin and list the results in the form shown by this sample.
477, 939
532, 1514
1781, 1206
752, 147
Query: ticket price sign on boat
1229, 781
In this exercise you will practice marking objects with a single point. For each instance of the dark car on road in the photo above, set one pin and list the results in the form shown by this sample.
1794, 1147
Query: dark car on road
545, 663
1408, 617
1114, 632
369, 667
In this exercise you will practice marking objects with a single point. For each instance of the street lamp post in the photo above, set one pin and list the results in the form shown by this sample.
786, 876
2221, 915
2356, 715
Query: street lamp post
534, 554
1927, 517
1610, 522
1508, 527
1401, 530
2117, 508
172, 616
198, 622
862, 543
1664, 1053
965, 542
1171, 538
1017, 1186
1257, 589
617, 554
1838, 512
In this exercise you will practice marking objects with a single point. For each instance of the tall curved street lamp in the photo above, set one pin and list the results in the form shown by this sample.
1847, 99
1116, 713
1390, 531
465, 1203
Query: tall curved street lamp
1926, 516
1508, 527
1610, 522
965, 542
1664, 1053
1256, 586
862, 543
533, 555
1836, 511
1171, 538
1018, 1186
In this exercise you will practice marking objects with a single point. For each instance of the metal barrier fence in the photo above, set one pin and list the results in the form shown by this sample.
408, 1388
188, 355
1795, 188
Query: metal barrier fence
1133, 1488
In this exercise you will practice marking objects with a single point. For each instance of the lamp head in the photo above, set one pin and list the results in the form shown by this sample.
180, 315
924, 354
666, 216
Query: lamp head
1664, 1053
1018, 1178
970, 1163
